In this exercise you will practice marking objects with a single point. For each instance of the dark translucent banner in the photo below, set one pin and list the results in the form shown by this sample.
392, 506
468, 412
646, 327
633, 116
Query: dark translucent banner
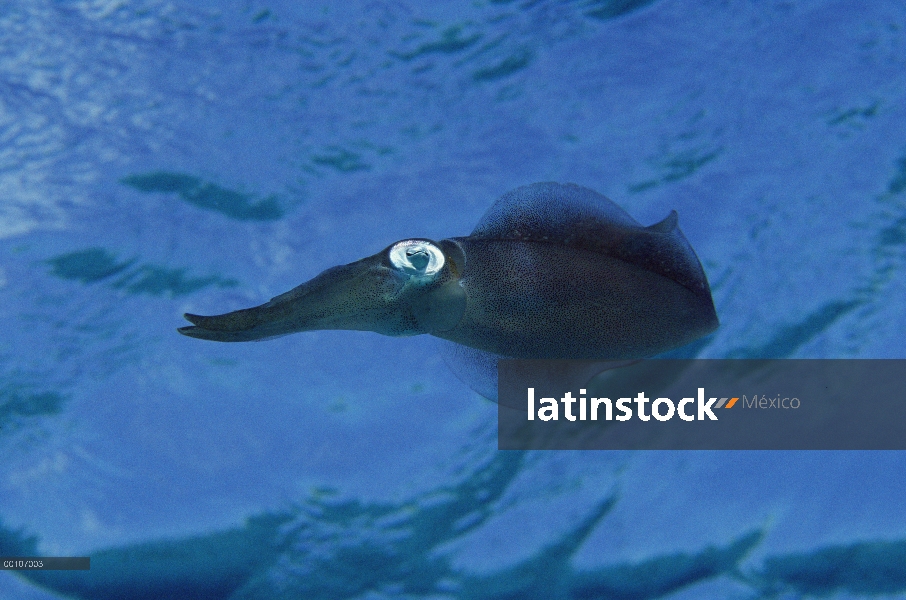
45, 563
785, 404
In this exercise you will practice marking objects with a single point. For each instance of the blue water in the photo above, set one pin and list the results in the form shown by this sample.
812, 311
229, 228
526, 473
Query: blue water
161, 157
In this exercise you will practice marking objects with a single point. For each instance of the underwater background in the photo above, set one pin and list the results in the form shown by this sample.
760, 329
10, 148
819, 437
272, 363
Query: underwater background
162, 157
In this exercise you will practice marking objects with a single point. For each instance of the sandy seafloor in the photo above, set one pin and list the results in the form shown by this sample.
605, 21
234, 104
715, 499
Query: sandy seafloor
166, 157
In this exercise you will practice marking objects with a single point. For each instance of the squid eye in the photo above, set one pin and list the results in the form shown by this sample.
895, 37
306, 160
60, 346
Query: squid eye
418, 258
